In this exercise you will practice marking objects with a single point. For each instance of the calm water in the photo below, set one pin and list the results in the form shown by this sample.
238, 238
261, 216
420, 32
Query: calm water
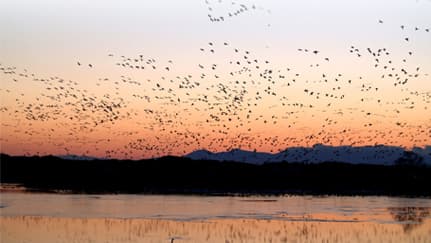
32, 217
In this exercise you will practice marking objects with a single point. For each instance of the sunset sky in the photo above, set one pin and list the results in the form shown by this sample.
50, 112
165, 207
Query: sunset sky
165, 79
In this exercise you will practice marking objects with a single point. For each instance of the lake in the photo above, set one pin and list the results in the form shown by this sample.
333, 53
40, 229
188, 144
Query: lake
43, 217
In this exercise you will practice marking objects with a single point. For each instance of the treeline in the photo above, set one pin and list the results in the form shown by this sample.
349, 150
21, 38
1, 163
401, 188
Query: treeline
185, 176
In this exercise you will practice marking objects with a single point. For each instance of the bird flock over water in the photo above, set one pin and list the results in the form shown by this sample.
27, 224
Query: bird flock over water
232, 97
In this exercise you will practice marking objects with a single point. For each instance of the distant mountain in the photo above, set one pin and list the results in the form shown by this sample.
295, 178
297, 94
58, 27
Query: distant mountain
379, 154
236, 155
75, 157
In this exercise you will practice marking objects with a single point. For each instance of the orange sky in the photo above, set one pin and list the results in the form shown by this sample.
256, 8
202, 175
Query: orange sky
186, 99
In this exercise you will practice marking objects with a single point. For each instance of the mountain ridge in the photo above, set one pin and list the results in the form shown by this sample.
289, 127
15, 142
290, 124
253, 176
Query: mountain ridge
318, 153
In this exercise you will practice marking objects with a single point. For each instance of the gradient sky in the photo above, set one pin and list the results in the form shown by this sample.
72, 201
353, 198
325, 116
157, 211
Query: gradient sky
42, 41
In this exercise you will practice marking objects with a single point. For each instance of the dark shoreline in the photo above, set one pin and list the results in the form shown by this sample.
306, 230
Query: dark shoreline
177, 175
262, 194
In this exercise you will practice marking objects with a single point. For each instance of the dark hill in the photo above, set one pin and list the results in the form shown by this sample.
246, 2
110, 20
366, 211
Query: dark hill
184, 176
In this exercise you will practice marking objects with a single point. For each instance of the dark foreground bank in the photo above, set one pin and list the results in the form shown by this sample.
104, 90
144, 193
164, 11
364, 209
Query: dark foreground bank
184, 176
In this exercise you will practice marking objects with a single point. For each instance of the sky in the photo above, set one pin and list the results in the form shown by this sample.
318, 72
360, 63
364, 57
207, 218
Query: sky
167, 78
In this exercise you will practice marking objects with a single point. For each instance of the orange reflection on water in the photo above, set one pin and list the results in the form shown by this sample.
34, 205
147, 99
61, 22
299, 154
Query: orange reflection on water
51, 229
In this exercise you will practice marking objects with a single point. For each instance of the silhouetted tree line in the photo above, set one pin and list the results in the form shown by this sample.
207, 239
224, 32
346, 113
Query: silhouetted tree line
184, 176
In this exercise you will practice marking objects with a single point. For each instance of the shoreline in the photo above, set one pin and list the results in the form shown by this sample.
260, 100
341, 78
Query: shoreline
211, 194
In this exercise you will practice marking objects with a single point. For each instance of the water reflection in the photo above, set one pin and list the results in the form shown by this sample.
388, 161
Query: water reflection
50, 229
49, 218
410, 217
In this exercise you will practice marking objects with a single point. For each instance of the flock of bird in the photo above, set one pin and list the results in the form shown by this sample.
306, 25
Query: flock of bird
244, 101
220, 11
